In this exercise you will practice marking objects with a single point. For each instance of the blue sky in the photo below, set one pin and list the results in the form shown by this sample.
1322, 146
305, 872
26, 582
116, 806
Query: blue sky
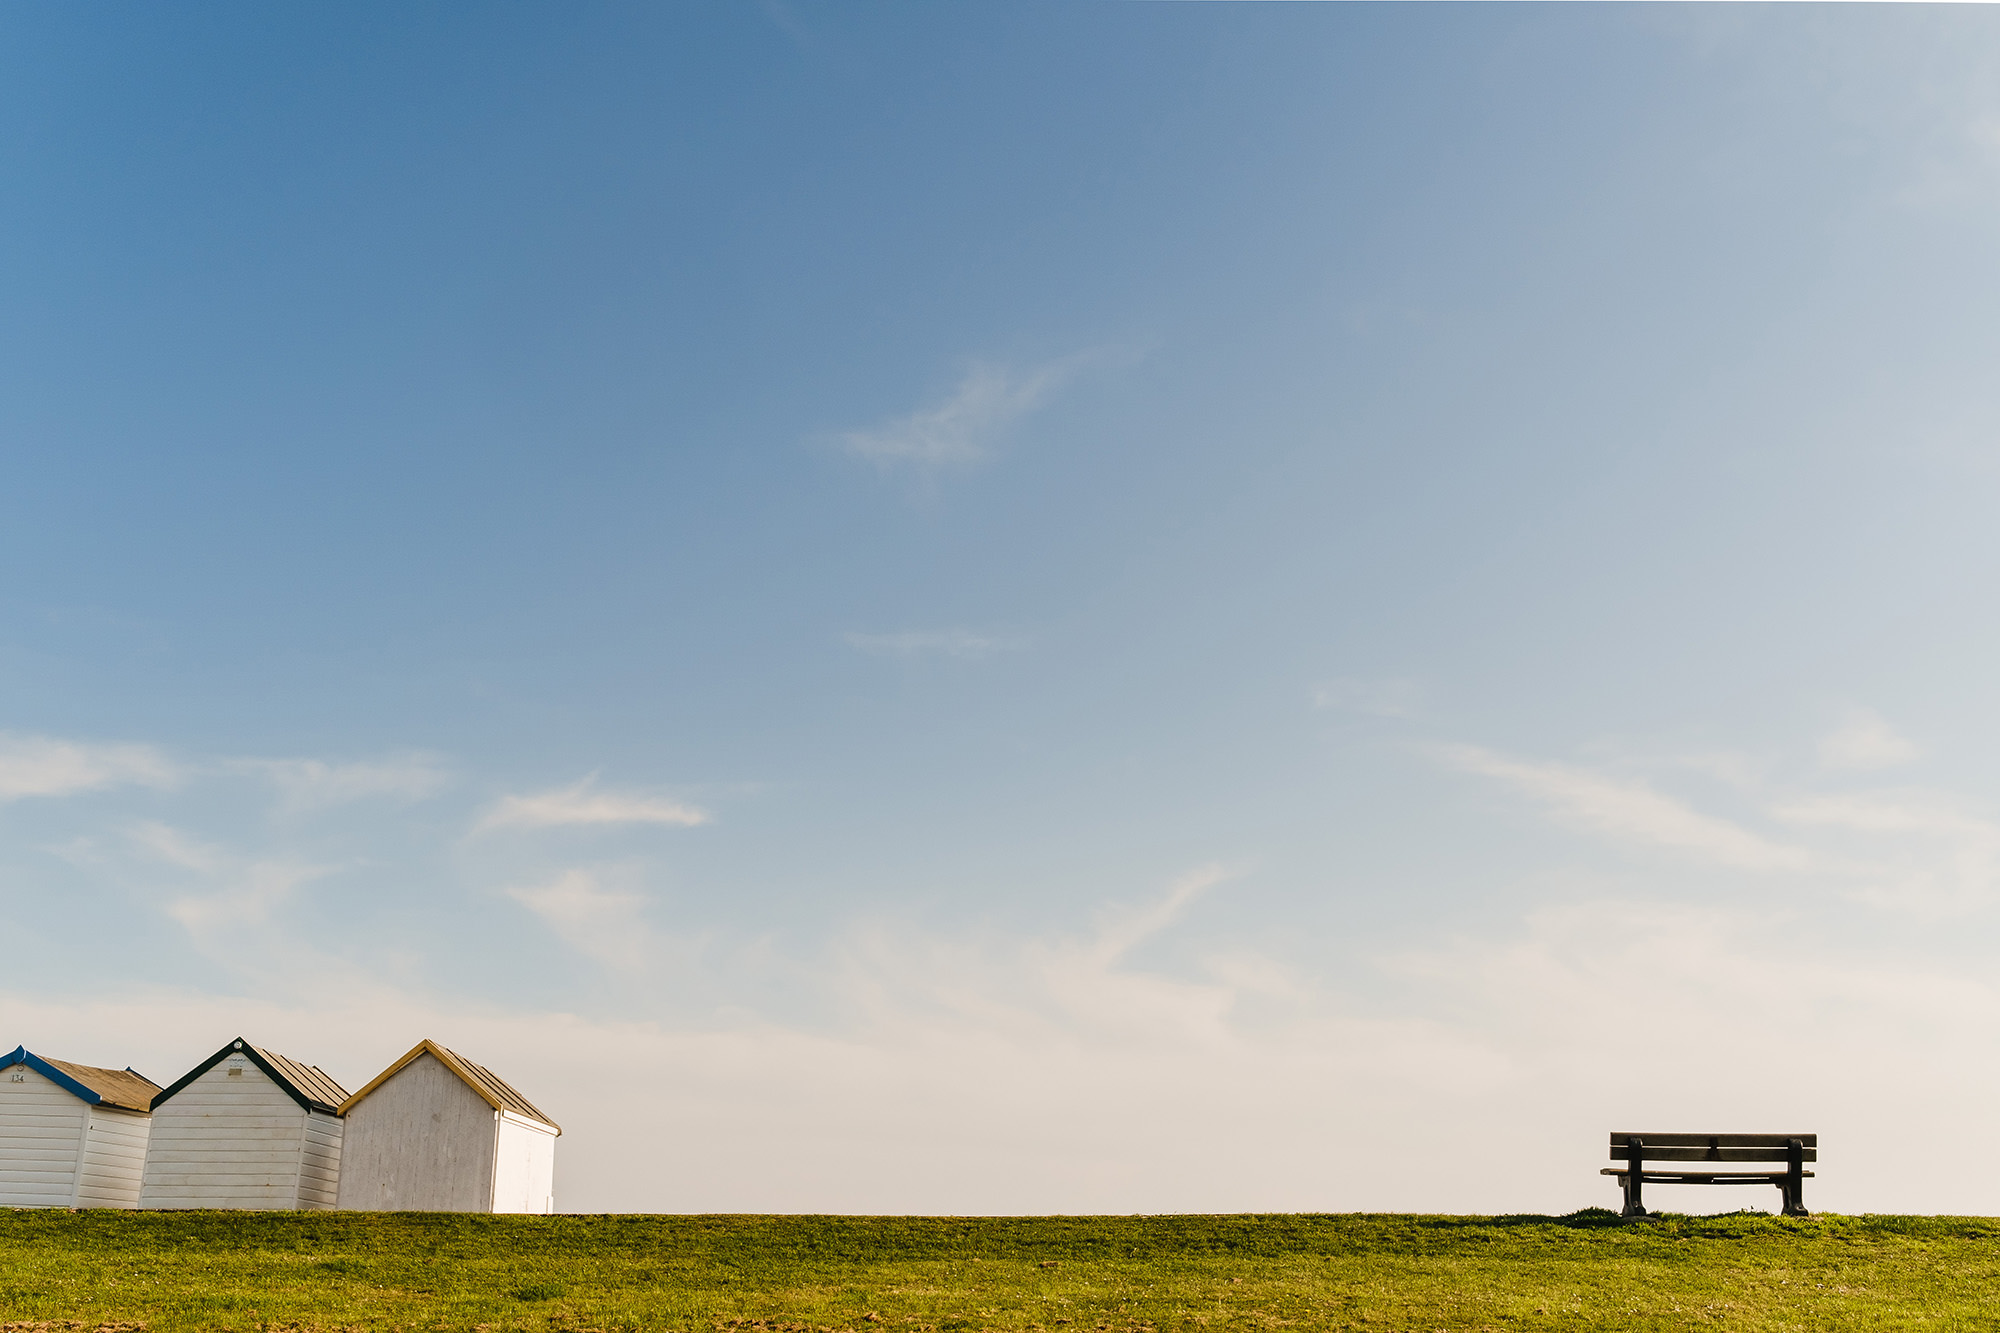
1028, 608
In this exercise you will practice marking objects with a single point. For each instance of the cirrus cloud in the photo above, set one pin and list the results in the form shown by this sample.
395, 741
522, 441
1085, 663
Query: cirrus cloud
579, 804
1865, 742
1630, 811
605, 924
44, 766
311, 784
963, 428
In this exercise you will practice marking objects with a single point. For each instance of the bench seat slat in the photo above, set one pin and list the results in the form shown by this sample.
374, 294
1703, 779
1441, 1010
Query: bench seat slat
1651, 1154
1715, 1140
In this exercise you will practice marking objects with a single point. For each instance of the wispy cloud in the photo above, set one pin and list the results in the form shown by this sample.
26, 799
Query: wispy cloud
1123, 929
581, 804
1924, 853
600, 923
309, 784
960, 643
45, 766
42, 766
1919, 851
1631, 811
170, 846
1863, 743
980, 1071
961, 429
1050, 987
234, 891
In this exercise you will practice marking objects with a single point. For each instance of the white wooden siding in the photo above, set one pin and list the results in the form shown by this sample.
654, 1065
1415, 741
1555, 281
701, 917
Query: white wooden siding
233, 1141
421, 1141
41, 1140
524, 1165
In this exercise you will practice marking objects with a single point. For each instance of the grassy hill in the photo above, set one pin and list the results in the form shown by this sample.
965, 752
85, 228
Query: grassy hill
409, 1271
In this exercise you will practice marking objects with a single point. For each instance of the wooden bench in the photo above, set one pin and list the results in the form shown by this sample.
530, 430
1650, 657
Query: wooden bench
1635, 1150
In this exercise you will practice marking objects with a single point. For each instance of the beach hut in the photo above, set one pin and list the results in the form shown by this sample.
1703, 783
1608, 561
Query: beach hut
246, 1128
71, 1136
435, 1132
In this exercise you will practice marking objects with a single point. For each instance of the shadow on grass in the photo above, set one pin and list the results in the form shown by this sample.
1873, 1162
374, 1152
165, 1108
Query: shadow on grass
1603, 1219
1583, 1219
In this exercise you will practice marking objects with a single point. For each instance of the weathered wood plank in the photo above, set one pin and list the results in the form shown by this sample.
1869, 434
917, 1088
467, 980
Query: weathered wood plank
1689, 1140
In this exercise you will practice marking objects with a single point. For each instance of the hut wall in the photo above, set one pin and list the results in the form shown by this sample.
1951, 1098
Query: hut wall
41, 1140
227, 1140
524, 1166
421, 1141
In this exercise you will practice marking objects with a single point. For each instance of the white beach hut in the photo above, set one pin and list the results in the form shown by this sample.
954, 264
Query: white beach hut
246, 1128
71, 1136
435, 1132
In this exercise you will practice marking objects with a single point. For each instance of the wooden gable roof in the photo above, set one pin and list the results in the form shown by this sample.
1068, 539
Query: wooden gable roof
495, 1091
125, 1089
308, 1085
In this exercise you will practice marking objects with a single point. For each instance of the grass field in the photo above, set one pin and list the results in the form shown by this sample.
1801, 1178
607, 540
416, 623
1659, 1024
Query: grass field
174, 1271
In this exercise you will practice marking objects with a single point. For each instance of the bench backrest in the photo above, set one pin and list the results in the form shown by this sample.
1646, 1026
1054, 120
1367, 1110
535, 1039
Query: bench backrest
1713, 1147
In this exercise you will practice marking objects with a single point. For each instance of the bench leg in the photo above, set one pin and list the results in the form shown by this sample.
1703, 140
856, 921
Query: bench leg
1633, 1179
1794, 1188
1634, 1205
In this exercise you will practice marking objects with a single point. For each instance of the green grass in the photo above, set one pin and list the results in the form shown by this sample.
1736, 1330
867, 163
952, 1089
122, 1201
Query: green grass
409, 1271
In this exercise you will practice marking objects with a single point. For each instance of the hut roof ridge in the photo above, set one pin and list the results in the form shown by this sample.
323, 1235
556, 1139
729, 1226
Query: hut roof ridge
123, 1089
490, 1087
308, 1085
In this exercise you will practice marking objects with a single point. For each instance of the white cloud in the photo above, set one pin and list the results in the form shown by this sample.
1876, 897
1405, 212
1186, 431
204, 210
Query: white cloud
1863, 743
248, 899
1089, 979
993, 1074
578, 804
42, 766
963, 427
235, 891
975, 1070
1920, 852
310, 784
1886, 812
978, 1072
917, 1109
1632, 812
1711, 1002
166, 844
959, 643
601, 923
1122, 929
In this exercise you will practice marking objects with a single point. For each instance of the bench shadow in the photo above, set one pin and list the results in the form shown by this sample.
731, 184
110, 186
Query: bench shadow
1599, 1219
